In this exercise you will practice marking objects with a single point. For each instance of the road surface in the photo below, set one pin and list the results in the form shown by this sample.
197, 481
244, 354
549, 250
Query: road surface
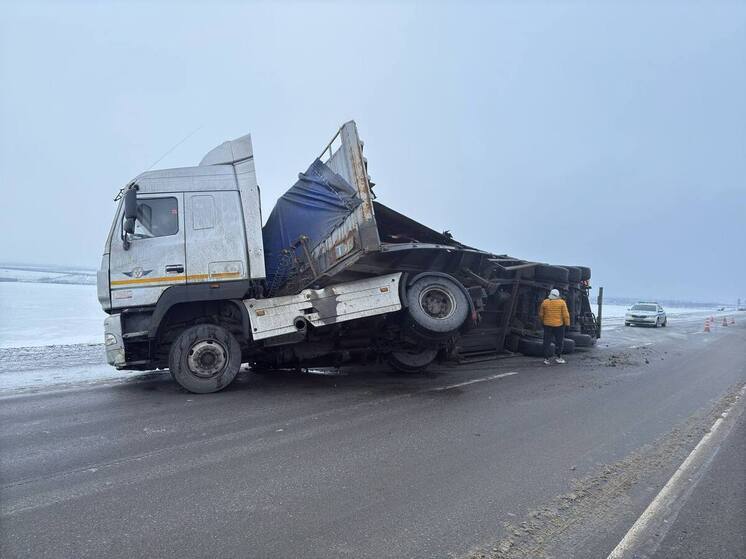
505, 459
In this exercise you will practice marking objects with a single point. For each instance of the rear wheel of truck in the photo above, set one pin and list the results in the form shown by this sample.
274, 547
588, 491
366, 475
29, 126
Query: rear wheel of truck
205, 358
437, 305
412, 361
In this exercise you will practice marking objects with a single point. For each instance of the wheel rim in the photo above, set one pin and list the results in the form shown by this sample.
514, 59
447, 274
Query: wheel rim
437, 303
207, 358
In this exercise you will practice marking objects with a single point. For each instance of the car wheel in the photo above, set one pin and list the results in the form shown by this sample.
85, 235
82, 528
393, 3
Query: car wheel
626, 324
205, 358
665, 322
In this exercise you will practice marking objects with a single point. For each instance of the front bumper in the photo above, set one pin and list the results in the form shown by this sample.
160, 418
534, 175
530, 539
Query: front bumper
645, 320
113, 340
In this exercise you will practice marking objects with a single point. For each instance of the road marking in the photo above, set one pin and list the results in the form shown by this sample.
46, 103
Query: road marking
473, 381
664, 508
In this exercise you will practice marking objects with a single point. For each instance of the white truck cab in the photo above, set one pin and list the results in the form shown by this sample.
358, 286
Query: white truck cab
183, 276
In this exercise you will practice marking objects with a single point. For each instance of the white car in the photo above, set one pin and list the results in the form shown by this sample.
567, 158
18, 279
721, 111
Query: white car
646, 313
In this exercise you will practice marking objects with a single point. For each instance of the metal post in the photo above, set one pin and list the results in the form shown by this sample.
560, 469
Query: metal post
505, 326
600, 301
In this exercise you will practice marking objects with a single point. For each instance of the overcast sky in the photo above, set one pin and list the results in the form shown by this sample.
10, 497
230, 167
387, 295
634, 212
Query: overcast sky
609, 136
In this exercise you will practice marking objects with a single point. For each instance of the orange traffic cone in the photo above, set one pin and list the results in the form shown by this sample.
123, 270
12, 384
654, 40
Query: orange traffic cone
725, 321
707, 325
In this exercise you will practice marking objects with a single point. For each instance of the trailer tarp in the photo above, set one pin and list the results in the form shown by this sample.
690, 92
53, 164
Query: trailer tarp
312, 207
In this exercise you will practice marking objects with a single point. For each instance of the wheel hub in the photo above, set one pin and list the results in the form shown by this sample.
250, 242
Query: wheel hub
437, 303
207, 358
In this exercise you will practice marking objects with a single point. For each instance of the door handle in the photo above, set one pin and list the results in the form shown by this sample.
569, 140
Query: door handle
175, 269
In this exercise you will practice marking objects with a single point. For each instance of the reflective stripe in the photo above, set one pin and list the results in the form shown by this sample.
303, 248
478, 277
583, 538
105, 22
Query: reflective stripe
176, 279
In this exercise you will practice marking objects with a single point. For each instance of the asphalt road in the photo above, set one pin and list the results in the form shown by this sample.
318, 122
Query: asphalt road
505, 458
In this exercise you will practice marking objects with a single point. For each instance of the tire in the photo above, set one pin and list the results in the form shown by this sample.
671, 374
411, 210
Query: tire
665, 322
568, 346
657, 323
205, 358
585, 273
532, 347
581, 340
542, 272
437, 306
511, 343
412, 361
573, 274
626, 324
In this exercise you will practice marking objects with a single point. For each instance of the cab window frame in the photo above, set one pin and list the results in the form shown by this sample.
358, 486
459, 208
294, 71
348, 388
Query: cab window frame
140, 237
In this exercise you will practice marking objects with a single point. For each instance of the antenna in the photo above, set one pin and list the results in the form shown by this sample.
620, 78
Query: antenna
184, 139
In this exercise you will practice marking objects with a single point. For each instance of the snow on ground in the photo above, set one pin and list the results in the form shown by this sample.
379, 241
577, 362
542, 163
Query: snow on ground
46, 275
42, 314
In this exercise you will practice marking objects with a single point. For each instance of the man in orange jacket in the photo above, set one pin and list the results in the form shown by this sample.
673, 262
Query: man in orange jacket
554, 316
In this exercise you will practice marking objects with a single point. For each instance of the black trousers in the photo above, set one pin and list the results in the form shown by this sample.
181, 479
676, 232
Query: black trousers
554, 334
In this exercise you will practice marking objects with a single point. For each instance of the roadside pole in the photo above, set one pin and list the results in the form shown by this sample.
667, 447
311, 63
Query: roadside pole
600, 302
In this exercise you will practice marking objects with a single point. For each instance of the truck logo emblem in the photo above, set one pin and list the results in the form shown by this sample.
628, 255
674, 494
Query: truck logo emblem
137, 273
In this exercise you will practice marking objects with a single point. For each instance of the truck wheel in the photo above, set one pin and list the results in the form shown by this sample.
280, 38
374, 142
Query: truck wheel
581, 340
532, 347
568, 345
412, 361
574, 274
205, 358
551, 273
437, 305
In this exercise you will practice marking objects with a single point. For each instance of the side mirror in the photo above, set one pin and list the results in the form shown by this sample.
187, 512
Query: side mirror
130, 204
130, 215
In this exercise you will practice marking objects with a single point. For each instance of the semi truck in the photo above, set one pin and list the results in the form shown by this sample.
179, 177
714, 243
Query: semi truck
192, 281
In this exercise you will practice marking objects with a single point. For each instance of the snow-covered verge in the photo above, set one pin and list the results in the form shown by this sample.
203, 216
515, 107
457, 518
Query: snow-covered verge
43, 314
9, 273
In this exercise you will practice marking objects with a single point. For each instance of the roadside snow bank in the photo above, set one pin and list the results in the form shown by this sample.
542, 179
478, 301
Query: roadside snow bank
43, 314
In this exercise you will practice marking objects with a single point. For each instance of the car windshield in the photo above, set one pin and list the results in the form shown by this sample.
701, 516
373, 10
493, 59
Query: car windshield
645, 308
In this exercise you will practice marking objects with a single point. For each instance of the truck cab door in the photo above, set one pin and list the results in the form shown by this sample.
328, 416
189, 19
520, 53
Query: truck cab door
156, 258
216, 241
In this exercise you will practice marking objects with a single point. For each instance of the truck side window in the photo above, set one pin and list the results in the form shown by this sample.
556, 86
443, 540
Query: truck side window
157, 217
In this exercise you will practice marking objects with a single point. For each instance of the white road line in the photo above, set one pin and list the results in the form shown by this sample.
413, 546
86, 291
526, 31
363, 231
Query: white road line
663, 509
473, 381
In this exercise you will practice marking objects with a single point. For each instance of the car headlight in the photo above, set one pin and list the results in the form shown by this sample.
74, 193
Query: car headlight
110, 339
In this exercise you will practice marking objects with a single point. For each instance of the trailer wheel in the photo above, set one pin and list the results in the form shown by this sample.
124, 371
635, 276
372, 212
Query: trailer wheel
574, 274
532, 347
205, 358
585, 273
581, 340
412, 361
437, 305
551, 273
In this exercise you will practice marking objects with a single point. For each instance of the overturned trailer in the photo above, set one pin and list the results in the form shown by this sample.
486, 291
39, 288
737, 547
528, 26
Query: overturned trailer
329, 228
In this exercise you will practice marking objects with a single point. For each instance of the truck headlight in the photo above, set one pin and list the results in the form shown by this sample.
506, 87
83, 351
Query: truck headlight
110, 339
